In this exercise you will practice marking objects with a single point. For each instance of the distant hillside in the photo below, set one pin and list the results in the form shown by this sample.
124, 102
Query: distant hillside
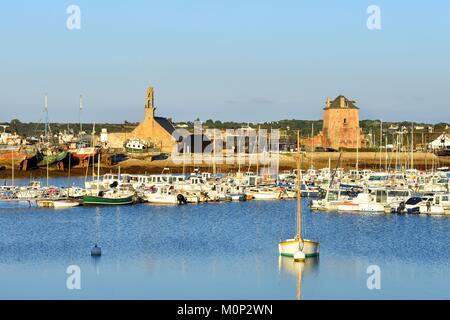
33, 129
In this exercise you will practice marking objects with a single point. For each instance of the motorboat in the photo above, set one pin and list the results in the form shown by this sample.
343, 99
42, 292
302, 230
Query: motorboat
432, 206
363, 202
164, 195
330, 202
267, 193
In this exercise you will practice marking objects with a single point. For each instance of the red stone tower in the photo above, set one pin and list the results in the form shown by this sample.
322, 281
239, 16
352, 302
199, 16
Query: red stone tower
341, 124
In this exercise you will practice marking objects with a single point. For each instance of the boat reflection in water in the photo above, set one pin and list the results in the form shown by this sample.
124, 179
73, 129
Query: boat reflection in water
298, 269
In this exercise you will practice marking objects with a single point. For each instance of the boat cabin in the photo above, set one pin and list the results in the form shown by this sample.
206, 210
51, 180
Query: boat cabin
388, 196
377, 179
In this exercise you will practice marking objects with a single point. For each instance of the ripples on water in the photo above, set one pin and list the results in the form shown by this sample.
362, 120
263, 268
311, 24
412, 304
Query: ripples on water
219, 250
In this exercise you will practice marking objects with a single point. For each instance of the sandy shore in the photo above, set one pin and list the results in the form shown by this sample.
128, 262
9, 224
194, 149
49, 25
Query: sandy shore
367, 160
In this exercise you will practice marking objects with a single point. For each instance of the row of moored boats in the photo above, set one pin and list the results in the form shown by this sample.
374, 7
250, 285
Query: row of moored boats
410, 191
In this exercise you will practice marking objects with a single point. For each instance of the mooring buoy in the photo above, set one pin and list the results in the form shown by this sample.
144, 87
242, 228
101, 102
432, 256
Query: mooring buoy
96, 251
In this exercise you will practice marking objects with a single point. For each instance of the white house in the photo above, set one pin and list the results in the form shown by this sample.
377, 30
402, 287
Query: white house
104, 136
442, 141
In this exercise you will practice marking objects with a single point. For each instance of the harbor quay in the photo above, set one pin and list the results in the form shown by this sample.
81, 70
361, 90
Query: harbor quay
286, 161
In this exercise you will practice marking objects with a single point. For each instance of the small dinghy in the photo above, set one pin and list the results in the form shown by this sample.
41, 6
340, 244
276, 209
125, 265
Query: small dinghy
237, 197
58, 204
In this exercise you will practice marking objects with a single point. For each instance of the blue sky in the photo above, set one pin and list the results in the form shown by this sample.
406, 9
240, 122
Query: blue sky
244, 60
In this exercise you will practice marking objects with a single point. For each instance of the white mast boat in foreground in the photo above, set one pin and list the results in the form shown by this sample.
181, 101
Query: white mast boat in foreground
298, 248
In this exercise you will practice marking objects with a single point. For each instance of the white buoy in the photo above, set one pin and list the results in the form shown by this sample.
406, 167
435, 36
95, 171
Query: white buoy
299, 256
96, 251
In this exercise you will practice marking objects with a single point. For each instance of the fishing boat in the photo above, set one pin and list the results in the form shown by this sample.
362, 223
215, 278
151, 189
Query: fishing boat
298, 248
82, 155
8, 154
122, 195
30, 161
108, 198
50, 159
136, 146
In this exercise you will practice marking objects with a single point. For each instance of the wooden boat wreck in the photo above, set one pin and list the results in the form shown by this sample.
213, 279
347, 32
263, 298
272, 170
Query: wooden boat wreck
52, 158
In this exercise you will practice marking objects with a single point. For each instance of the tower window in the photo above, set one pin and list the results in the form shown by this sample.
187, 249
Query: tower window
345, 120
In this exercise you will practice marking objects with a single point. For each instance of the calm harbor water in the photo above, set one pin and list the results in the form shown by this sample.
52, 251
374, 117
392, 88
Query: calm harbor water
219, 251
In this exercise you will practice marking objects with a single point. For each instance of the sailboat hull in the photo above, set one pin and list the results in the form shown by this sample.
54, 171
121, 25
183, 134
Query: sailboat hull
289, 247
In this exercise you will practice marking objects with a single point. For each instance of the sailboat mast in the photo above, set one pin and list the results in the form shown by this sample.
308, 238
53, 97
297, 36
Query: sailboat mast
357, 152
313, 146
46, 115
214, 154
12, 168
68, 179
93, 154
386, 149
269, 149
396, 150
257, 154
184, 158
46, 134
278, 161
98, 174
299, 194
381, 141
238, 151
412, 145
81, 111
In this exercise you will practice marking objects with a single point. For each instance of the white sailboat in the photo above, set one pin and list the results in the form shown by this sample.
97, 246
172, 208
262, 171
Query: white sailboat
298, 248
